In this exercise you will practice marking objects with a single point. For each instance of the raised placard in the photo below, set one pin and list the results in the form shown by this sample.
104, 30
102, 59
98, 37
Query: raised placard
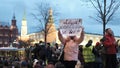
70, 27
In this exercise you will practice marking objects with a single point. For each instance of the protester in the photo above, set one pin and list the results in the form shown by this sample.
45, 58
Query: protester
48, 52
98, 55
88, 55
59, 65
37, 65
80, 56
71, 48
110, 43
23, 62
101, 50
34, 63
50, 65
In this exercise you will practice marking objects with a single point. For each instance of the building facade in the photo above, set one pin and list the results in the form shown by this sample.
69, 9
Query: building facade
88, 36
8, 34
39, 36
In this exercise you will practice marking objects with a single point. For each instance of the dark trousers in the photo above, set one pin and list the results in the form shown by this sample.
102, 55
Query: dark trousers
89, 65
69, 64
111, 61
98, 65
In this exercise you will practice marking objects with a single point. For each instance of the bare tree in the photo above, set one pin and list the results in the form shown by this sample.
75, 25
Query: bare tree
106, 10
43, 9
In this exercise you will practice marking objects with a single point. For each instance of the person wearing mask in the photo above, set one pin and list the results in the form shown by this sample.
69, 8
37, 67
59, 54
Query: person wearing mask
71, 48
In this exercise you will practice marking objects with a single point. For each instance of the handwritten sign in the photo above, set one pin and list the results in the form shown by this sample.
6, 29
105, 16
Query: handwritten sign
70, 27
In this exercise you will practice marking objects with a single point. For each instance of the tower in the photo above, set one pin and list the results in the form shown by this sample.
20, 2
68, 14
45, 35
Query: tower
24, 35
13, 30
51, 36
24, 25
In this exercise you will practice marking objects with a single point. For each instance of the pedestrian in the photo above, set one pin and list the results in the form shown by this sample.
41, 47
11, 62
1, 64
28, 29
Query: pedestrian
80, 56
59, 65
110, 44
50, 65
71, 48
34, 63
98, 55
37, 65
89, 55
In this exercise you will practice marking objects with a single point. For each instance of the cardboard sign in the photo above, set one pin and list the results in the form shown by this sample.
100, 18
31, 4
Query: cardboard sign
71, 27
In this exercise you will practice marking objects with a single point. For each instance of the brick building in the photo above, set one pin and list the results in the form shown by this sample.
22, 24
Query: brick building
8, 34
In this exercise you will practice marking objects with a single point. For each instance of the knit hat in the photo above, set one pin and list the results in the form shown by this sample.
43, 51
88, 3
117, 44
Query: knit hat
97, 44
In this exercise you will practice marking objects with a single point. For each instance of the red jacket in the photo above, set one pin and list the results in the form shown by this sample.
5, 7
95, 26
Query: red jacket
110, 45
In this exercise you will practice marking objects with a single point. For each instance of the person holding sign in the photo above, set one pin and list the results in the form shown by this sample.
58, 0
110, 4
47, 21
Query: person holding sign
71, 47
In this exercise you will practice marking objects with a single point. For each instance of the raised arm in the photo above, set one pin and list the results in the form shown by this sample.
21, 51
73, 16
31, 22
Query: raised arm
62, 40
81, 38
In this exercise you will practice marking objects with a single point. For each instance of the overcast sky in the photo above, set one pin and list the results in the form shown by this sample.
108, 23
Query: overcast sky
66, 8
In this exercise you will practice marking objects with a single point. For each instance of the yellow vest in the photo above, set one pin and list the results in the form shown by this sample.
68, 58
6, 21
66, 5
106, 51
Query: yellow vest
87, 54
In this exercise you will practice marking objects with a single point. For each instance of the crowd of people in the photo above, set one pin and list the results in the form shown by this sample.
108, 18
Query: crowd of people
73, 55
101, 55
14, 62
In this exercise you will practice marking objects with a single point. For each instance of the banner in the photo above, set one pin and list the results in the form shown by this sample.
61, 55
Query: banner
70, 27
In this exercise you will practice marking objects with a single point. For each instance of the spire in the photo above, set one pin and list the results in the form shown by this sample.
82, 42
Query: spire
50, 18
50, 11
24, 25
13, 16
24, 15
13, 21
